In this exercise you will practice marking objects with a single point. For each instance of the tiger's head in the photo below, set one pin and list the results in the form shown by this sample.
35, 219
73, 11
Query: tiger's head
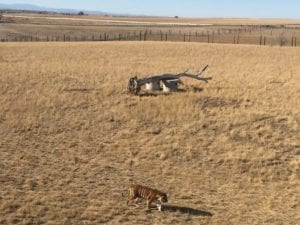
163, 198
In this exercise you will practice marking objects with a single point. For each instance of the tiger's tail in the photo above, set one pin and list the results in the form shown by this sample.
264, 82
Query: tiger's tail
125, 193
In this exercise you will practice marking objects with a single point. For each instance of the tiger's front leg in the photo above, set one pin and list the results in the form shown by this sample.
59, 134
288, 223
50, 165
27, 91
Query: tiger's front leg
158, 205
149, 201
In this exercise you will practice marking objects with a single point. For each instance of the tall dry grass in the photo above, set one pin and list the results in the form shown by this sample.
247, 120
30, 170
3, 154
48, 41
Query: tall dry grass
72, 139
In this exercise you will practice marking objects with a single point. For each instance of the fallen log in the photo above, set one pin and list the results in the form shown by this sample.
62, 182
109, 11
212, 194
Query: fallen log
135, 84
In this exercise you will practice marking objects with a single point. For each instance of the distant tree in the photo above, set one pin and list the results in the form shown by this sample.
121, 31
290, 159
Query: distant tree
80, 13
176, 17
1, 16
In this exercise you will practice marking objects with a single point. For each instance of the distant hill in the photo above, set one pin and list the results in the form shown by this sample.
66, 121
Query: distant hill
29, 7
21, 7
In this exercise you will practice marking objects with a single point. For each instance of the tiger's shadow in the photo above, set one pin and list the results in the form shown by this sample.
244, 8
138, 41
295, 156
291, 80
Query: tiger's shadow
185, 210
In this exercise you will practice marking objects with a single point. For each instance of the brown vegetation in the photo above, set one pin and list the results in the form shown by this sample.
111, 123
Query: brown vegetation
72, 140
32, 27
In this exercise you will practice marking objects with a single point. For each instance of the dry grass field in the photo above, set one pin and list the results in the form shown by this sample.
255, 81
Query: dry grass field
58, 27
72, 140
217, 21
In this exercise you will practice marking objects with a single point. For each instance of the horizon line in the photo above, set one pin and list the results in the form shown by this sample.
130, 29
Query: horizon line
115, 14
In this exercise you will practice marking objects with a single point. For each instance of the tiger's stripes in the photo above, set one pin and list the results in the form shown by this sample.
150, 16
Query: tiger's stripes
149, 194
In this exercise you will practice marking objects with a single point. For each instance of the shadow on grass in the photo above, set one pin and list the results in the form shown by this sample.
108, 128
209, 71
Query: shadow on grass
186, 210
84, 90
196, 89
161, 93
148, 94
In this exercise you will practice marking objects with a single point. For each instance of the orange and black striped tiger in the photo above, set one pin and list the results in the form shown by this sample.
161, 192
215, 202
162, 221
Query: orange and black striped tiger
149, 194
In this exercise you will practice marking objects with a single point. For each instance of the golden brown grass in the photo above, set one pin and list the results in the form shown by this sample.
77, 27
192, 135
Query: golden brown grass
71, 139
217, 21
21, 27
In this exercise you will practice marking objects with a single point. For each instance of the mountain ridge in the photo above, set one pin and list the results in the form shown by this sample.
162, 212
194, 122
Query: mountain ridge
31, 7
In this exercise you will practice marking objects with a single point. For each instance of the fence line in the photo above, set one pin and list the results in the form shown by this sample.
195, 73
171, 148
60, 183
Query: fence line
209, 37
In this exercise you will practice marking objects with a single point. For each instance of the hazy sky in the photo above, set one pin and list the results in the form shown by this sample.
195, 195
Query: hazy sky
191, 8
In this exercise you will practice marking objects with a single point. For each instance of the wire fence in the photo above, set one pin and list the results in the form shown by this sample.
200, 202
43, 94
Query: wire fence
231, 37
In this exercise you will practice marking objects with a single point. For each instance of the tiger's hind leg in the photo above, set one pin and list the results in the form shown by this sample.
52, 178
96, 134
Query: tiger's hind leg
137, 200
130, 199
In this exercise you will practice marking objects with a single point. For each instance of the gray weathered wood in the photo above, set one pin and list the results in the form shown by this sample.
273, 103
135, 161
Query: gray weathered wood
135, 84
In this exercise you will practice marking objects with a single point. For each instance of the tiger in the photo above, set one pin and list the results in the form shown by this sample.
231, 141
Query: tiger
150, 195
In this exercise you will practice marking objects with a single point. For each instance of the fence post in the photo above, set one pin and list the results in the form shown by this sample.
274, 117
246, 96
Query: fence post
140, 35
265, 40
166, 36
295, 42
208, 38
184, 37
161, 36
260, 40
